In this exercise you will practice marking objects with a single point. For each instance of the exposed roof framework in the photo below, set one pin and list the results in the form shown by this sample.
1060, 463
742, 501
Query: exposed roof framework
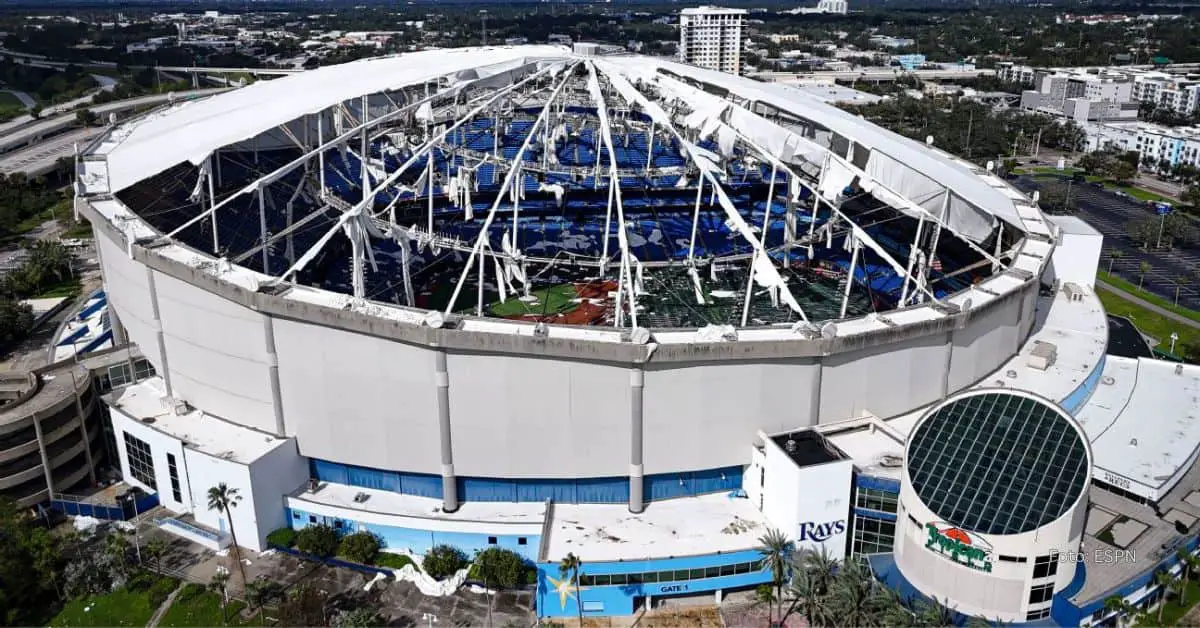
412, 147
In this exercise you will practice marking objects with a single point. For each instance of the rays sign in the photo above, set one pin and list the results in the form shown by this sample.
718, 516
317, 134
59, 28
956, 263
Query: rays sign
960, 546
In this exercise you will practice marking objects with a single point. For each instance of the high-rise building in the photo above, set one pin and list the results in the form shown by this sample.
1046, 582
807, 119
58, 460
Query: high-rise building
711, 37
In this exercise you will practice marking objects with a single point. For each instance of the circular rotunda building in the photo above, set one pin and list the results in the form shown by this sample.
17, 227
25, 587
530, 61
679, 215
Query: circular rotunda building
992, 503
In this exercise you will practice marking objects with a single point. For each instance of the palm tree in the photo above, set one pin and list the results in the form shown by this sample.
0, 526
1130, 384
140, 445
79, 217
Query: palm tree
813, 572
218, 585
934, 613
1180, 281
154, 550
1144, 267
1113, 256
1123, 609
856, 595
222, 499
569, 568
1166, 581
775, 551
1189, 562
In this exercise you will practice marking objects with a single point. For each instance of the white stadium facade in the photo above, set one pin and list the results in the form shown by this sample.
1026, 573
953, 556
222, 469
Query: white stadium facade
628, 309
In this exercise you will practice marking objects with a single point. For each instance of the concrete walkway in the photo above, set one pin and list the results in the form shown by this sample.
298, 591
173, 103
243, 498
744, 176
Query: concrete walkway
162, 608
1140, 302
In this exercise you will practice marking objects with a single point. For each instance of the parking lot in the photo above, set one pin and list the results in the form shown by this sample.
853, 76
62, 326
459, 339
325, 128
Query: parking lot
1111, 214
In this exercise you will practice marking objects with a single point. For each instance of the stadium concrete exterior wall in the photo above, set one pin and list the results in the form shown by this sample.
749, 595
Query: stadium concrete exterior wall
362, 390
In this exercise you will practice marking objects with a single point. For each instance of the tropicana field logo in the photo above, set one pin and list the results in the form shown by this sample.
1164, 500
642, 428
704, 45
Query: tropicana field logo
960, 546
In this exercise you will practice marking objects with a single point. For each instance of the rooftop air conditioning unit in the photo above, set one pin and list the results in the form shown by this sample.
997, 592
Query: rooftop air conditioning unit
1043, 355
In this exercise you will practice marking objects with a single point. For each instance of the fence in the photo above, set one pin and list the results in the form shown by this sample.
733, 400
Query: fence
124, 511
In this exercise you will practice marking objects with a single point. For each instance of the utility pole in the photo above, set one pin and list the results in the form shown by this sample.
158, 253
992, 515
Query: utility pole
483, 19
970, 123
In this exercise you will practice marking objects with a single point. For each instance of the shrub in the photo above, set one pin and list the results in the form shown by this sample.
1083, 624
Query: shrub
392, 561
283, 537
159, 591
442, 561
319, 540
360, 547
500, 567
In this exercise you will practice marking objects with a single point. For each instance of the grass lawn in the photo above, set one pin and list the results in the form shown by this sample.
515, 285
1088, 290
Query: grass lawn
1132, 288
69, 287
123, 607
549, 300
1173, 610
392, 560
81, 230
1152, 324
196, 606
1054, 174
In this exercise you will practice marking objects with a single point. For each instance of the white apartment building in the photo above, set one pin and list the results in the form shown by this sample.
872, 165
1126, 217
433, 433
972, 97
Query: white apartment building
1154, 143
1082, 96
1166, 91
711, 37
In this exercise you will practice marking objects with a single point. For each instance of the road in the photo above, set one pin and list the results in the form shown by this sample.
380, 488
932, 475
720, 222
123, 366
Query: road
14, 138
1111, 214
1144, 304
42, 157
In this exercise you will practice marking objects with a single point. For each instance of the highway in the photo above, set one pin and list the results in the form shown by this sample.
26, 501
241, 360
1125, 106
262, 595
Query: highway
42, 157
870, 74
36, 131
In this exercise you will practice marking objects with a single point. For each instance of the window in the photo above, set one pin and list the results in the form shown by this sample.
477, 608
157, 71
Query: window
1045, 566
522, 540
1035, 615
1041, 593
174, 472
141, 460
142, 369
1013, 559
491, 540
337, 524
312, 518
296, 516
872, 536
875, 499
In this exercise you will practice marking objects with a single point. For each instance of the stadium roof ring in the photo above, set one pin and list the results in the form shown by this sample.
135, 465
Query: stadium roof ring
998, 461
533, 191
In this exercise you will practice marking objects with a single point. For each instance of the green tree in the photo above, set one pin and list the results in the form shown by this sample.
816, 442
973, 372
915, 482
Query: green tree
1191, 196
442, 561
1113, 256
1166, 582
319, 540
258, 593
776, 549
569, 568
1180, 281
1123, 609
1144, 268
1057, 198
856, 596
1188, 562
813, 573
224, 499
86, 117
360, 547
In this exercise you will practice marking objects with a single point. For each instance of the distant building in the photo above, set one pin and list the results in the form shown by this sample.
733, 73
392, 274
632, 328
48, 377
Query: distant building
909, 62
711, 37
1165, 91
884, 41
515, 41
1156, 145
556, 38
834, 7
1082, 96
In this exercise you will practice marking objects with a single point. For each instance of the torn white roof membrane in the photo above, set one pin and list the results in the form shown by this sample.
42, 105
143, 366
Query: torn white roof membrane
972, 213
191, 131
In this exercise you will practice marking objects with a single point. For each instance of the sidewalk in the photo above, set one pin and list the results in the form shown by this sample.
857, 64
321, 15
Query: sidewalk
1140, 302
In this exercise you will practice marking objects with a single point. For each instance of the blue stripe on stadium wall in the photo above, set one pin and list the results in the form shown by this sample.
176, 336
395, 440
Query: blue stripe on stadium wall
613, 490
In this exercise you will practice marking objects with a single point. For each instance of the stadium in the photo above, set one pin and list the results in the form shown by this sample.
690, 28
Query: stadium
564, 302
